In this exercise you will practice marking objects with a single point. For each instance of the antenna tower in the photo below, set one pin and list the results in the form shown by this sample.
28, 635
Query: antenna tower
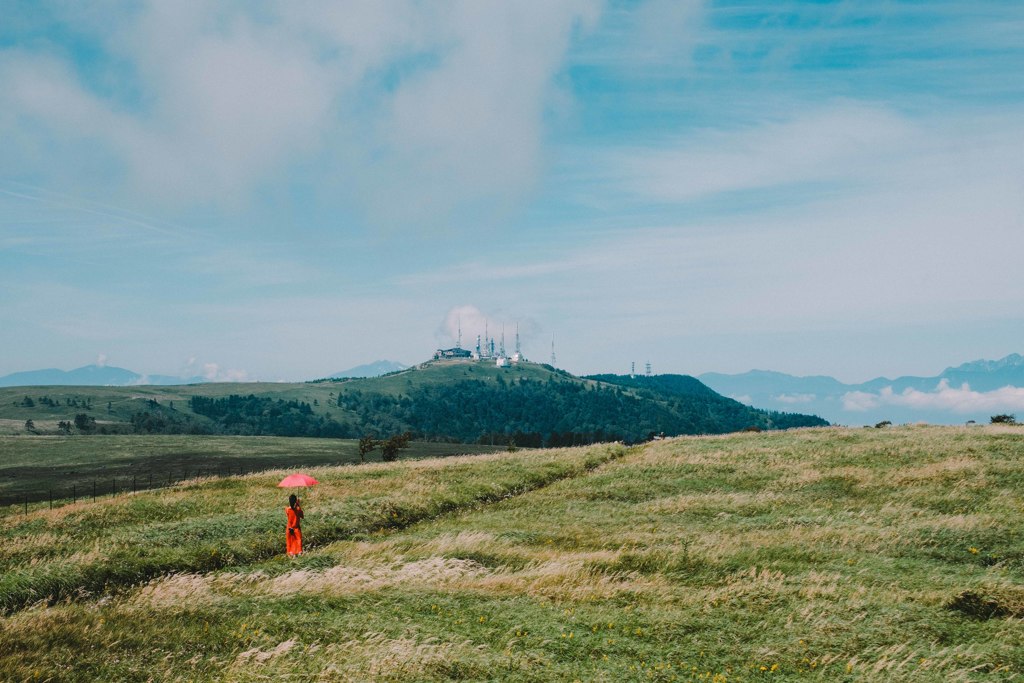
648, 368
458, 343
552, 350
517, 340
503, 340
632, 369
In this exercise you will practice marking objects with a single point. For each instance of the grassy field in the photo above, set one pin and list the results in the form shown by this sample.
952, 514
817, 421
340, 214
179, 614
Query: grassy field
34, 468
825, 554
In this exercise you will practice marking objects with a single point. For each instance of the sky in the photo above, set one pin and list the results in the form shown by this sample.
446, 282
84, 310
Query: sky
280, 191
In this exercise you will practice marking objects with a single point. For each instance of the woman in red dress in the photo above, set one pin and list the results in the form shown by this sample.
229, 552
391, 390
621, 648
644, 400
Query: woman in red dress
293, 537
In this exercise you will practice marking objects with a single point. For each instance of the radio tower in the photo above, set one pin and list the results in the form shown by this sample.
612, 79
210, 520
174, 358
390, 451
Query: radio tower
518, 353
503, 340
552, 350
648, 368
458, 343
632, 369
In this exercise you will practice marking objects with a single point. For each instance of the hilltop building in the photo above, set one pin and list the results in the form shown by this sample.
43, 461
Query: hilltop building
452, 354
487, 349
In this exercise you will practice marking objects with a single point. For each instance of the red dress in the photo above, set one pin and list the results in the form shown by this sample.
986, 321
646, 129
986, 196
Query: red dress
293, 536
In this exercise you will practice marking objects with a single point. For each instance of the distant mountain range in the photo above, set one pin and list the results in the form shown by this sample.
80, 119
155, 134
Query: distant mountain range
90, 375
374, 369
110, 376
971, 391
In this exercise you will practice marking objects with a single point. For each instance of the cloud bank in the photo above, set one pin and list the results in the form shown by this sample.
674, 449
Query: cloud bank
952, 399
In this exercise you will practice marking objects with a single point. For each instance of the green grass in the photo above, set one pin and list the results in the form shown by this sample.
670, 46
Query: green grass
822, 554
34, 467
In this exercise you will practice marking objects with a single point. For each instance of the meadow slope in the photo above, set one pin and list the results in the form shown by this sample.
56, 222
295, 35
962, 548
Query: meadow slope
826, 554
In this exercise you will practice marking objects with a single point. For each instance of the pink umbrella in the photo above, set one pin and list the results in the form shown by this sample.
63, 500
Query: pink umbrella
297, 480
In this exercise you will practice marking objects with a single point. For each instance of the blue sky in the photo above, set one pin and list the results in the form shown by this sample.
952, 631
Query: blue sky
275, 190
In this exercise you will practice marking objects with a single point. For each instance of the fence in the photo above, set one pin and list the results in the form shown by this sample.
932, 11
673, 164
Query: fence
99, 487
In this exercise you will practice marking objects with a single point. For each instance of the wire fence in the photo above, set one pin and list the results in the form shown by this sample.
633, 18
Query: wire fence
111, 486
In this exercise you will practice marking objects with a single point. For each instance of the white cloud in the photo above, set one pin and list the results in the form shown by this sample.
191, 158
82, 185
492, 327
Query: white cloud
411, 110
952, 399
212, 372
795, 398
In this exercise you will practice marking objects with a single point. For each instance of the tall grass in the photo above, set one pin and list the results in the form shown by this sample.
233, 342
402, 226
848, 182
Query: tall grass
212, 523
822, 554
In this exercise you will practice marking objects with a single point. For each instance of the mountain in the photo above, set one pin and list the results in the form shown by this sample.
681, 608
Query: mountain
89, 375
374, 369
941, 399
461, 401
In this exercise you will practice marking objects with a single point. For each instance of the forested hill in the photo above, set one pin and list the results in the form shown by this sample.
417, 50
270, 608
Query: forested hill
563, 410
530, 404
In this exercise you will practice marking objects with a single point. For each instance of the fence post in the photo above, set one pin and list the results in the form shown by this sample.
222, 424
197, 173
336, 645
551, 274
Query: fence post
133, 483
74, 493
51, 498
94, 490
26, 503
150, 480
113, 487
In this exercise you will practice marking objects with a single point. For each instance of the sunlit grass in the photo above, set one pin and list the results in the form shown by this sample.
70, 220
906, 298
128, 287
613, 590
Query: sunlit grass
826, 554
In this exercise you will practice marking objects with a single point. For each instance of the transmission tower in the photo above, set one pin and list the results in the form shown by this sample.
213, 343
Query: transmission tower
648, 368
552, 350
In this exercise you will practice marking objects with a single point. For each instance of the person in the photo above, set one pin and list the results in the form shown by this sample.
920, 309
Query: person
293, 537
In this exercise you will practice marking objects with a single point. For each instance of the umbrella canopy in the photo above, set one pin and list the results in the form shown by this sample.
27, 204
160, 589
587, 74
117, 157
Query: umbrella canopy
297, 480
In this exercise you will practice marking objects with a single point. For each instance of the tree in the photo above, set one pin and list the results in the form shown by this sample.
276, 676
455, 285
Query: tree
64, 427
366, 445
389, 448
28, 402
30, 426
84, 423
1004, 419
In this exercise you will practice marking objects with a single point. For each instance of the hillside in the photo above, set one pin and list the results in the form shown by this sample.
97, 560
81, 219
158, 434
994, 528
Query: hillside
828, 554
530, 404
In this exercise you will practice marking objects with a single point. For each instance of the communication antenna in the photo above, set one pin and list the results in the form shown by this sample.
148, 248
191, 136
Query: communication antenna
478, 346
487, 340
632, 369
552, 350
517, 340
458, 344
648, 368
503, 340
